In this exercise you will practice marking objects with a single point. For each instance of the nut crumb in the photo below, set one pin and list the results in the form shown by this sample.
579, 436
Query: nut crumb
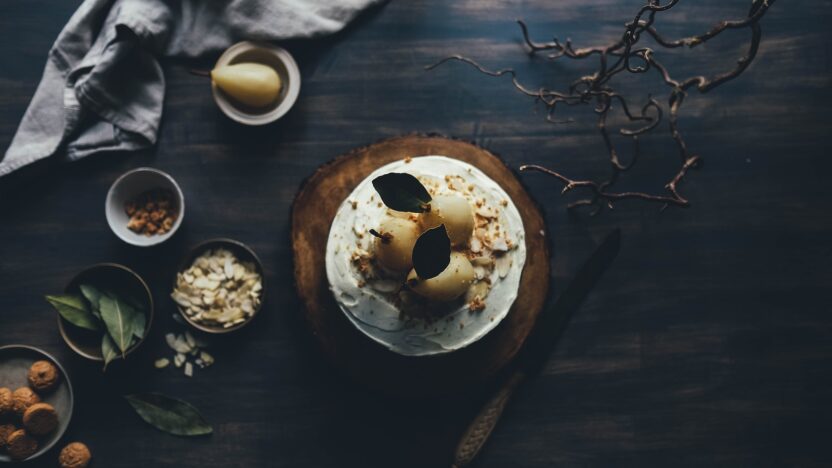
151, 213
476, 304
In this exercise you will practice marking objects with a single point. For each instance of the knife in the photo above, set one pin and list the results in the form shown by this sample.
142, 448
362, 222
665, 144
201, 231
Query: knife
537, 348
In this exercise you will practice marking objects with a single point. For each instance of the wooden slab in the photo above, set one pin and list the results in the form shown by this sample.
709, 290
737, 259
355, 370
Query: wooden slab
314, 209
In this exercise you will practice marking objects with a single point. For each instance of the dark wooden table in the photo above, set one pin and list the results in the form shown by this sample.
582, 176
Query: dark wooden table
707, 344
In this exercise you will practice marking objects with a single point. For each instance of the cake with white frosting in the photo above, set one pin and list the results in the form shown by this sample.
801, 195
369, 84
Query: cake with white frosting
437, 273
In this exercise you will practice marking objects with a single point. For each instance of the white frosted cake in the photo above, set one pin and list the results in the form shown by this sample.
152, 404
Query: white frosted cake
369, 259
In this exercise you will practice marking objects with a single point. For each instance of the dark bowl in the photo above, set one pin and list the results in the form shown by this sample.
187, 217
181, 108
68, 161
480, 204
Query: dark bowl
105, 276
243, 254
15, 361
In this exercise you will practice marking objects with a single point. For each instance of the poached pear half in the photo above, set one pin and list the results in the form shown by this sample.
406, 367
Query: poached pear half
253, 84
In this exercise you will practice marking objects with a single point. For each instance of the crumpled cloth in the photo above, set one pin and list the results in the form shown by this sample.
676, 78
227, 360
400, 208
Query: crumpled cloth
102, 88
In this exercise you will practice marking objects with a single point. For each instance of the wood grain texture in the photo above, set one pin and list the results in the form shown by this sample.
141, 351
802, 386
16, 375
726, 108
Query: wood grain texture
314, 209
706, 344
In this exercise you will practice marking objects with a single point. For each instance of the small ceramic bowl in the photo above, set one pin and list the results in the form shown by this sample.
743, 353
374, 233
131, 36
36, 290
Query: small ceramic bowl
15, 361
267, 54
107, 276
127, 188
243, 254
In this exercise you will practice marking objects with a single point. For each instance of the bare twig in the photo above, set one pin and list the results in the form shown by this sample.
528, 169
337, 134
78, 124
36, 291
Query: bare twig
620, 56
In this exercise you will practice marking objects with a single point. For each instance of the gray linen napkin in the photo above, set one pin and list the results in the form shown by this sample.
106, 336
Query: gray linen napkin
102, 88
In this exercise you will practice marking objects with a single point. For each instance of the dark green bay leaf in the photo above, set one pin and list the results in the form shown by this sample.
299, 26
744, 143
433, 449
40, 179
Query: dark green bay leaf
402, 192
108, 349
432, 252
93, 295
169, 414
75, 310
118, 320
139, 321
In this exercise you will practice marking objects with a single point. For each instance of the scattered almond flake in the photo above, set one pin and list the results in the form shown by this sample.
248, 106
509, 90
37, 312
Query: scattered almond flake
486, 211
179, 344
480, 272
503, 263
499, 245
206, 358
189, 369
476, 304
477, 290
162, 363
179, 359
190, 339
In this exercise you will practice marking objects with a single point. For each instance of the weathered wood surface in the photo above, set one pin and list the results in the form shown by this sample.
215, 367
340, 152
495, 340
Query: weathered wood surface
706, 344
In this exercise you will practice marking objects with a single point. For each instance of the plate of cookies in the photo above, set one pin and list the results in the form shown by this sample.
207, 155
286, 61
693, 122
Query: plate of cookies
35, 402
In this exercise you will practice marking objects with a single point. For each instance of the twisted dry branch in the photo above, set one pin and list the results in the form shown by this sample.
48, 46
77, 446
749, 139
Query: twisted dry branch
624, 55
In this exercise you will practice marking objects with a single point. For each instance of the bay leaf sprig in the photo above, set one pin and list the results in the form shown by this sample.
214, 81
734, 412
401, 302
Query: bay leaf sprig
402, 192
75, 310
432, 252
169, 414
120, 320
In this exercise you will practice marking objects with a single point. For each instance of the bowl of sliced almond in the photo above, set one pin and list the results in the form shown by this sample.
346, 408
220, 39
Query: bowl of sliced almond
220, 286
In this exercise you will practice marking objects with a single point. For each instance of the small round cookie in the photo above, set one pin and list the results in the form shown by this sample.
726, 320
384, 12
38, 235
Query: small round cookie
75, 455
23, 398
43, 376
21, 445
6, 402
5, 431
40, 419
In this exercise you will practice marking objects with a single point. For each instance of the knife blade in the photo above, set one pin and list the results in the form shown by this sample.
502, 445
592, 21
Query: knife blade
538, 347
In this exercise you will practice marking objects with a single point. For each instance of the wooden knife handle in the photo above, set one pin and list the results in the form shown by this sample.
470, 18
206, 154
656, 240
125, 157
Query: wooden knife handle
483, 424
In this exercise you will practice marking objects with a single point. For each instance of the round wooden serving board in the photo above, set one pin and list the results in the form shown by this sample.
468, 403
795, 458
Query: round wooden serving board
312, 214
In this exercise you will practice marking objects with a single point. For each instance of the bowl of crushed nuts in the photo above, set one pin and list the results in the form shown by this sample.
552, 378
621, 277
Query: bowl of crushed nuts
220, 286
144, 207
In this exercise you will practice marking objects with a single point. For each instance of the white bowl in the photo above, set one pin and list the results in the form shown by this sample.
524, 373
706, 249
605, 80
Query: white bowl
267, 54
129, 186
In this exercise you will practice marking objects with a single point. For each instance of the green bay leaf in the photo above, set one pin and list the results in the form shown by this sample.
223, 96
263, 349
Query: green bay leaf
108, 350
93, 295
169, 414
118, 321
402, 192
74, 310
138, 322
